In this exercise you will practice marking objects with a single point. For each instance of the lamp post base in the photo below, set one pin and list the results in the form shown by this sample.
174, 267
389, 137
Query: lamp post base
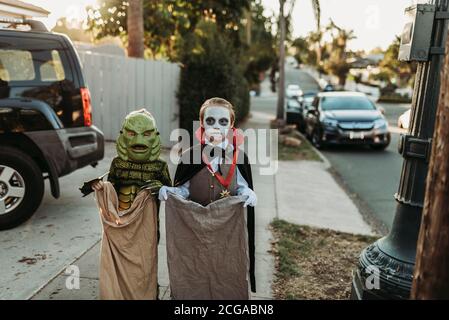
394, 277
385, 268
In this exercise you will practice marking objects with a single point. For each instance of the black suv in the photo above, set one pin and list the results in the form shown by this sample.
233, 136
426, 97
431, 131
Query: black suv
46, 126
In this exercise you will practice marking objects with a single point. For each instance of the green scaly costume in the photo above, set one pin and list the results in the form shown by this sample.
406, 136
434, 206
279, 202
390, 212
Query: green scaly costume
138, 164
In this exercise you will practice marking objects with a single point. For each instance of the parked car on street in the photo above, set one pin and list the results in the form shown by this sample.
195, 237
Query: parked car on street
404, 120
46, 126
346, 118
307, 97
293, 112
295, 109
306, 102
293, 91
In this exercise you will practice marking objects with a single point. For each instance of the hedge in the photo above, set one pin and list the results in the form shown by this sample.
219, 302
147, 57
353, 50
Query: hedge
210, 69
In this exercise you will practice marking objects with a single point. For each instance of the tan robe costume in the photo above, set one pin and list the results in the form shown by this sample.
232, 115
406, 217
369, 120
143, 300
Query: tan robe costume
128, 263
207, 246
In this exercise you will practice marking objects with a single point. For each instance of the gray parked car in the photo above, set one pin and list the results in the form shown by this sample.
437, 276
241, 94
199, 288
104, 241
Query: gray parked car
346, 118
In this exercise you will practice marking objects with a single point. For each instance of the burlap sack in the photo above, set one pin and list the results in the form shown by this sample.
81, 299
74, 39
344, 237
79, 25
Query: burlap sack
128, 260
207, 249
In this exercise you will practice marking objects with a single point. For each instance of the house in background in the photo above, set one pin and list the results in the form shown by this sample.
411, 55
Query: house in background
15, 9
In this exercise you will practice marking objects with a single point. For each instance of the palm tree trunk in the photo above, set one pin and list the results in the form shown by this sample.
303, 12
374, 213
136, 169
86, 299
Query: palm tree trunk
249, 20
135, 29
281, 88
317, 12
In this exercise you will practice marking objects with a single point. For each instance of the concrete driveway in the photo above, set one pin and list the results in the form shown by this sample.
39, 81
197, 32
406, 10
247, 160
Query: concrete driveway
58, 233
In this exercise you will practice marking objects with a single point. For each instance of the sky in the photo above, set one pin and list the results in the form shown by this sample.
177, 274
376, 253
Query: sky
375, 22
71, 9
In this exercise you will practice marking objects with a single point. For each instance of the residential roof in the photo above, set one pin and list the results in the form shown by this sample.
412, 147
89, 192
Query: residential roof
24, 5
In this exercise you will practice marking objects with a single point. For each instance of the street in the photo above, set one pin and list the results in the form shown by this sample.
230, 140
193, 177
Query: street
254, 150
372, 176
32, 253
59, 232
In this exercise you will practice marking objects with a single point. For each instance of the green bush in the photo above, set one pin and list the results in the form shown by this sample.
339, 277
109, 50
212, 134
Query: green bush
210, 68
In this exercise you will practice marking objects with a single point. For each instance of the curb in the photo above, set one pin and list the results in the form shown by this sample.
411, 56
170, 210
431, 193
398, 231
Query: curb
377, 227
326, 162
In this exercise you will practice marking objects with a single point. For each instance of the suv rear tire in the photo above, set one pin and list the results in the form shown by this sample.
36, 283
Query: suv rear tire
26, 172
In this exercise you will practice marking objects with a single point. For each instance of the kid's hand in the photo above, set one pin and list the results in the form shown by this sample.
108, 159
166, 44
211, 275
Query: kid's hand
98, 185
251, 197
163, 192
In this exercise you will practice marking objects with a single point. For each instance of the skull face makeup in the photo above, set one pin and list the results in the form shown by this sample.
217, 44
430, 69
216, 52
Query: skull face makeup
216, 124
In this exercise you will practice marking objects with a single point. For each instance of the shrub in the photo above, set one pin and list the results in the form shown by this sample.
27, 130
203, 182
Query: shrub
209, 69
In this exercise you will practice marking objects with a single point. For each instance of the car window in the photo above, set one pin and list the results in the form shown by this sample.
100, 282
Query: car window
32, 62
293, 103
16, 65
346, 103
52, 69
39, 67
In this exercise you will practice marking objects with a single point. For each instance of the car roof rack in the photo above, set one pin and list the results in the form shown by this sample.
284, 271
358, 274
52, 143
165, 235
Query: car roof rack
33, 24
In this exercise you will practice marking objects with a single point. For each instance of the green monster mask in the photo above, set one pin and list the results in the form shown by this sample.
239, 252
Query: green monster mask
139, 139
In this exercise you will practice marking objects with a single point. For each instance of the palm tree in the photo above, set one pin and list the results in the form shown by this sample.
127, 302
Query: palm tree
317, 36
337, 64
283, 31
135, 29
281, 89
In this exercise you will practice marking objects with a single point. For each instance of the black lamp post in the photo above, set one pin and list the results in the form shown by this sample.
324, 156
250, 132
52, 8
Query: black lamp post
392, 258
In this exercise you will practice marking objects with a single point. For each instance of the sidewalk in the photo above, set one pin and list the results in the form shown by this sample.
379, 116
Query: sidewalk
302, 192
307, 194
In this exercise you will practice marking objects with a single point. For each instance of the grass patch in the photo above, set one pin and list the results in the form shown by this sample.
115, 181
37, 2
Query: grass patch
303, 152
394, 98
314, 263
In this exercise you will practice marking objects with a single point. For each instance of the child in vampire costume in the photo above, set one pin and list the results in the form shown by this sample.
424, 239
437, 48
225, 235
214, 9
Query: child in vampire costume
210, 243
128, 207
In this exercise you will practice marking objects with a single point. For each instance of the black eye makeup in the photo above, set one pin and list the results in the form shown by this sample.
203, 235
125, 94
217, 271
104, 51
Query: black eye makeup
223, 121
210, 121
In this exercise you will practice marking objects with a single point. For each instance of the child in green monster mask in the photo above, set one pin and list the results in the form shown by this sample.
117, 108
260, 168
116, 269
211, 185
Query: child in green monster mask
138, 165
129, 211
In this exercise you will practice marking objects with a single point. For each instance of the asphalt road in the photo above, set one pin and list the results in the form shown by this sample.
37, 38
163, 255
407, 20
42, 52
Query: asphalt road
59, 232
372, 176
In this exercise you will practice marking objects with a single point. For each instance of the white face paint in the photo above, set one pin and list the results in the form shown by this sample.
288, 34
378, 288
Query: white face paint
216, 123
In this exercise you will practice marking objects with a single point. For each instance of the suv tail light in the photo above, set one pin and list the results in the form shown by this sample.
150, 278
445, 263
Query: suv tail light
87, 106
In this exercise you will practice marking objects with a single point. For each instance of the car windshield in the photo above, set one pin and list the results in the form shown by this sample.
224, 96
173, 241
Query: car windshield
309, 97
293, 104
346, 103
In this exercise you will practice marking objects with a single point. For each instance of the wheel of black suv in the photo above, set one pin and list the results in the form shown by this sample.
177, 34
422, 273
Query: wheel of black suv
317, 139
21, 187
